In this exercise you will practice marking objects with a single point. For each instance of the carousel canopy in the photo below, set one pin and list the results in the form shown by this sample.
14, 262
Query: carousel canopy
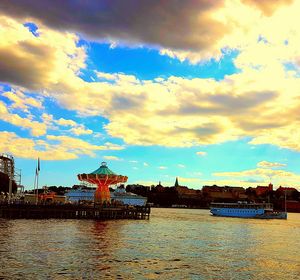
102, 176
103, 170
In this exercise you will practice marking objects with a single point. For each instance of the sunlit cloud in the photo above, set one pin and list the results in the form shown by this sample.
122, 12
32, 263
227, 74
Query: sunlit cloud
171, 111
65, 122
53, 148
112, 158
262, 175
80, 130
190, 180
268, 7
201, 153
267, 164
36, 128
22, 101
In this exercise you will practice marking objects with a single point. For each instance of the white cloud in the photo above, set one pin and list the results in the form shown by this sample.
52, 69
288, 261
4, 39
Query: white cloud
163, 167
267, 164
112, 158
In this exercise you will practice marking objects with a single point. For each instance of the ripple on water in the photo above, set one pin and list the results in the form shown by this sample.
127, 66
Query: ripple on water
173, 244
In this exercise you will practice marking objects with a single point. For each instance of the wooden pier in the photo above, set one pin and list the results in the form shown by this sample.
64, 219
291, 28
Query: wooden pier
69, 211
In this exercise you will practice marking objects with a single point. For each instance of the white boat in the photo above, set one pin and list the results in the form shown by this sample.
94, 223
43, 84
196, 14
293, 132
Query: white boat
246, 210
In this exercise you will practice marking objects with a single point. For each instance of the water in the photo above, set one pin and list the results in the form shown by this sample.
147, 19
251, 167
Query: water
173, 244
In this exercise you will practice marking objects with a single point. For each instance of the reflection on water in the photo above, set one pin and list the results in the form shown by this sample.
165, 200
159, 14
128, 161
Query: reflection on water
173, 244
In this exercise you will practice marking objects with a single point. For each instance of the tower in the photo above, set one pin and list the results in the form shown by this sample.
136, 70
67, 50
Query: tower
176, 183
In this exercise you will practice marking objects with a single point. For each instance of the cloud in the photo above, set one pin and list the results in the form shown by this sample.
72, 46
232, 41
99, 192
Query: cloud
53, 148
266, 6
163, 167
65, 122
146, 22
181, 165
23, 104
201, 154
171, 111
112, 158
267, 164
200, 34
263, 175
35, 62
286, 137
145, 164
22, 101
113, 147
36, 128
76, 129
80, 130
190, 180
80, 146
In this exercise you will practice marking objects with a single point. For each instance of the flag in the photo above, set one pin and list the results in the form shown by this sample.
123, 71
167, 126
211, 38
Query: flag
38, 165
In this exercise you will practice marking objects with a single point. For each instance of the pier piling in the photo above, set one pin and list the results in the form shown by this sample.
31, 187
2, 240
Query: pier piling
43, 211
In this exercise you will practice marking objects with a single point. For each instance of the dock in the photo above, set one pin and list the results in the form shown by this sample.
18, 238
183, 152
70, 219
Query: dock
69, 211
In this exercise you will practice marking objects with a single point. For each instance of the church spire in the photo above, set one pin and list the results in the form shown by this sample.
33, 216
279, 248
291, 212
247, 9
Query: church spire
176, 183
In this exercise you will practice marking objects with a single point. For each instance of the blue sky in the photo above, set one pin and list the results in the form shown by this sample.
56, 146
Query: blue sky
202, 98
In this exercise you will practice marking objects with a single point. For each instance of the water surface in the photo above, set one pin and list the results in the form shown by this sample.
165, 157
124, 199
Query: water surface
173, 244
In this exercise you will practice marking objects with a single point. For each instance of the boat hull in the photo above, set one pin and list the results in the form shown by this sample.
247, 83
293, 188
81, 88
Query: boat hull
236, 212
274, 215
247, 213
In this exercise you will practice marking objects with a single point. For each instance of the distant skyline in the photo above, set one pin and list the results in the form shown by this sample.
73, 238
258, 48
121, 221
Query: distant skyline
206, 91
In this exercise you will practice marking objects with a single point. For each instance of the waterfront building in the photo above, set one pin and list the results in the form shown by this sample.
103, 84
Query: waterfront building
120, 195
80, 194
262, 190
127, 198
222, 193
286, 191
45, 198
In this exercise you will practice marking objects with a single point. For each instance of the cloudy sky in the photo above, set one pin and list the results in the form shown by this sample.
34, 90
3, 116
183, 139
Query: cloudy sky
208, 91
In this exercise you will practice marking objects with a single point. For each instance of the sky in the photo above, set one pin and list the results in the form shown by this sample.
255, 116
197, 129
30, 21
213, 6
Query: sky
206, 91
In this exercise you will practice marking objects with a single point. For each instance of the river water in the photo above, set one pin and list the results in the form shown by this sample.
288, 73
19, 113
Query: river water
173, 244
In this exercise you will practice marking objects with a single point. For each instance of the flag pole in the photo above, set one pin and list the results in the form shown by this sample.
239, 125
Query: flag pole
37, 188
34, 185
37, 181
